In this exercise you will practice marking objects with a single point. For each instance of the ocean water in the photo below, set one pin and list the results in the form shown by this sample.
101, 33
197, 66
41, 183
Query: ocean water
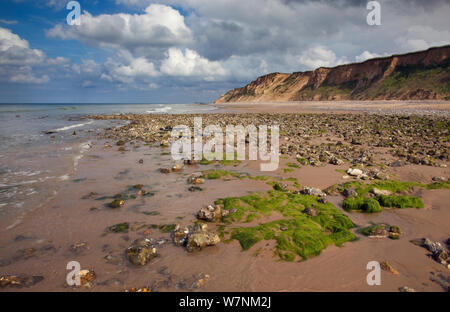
38, 148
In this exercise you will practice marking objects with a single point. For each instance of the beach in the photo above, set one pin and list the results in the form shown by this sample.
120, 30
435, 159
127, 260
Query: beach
120, 156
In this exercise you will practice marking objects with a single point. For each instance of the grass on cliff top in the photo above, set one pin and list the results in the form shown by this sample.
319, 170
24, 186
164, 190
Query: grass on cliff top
302, 235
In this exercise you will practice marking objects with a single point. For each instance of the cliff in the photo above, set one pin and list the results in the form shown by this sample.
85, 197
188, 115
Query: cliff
423, 75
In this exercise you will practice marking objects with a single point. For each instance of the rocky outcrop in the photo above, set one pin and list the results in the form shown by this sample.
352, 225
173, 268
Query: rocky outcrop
423, 75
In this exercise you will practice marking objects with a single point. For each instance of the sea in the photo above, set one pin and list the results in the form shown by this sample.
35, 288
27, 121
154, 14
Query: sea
42, 144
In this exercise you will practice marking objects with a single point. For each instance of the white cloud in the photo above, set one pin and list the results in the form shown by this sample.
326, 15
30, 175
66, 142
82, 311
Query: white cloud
420, 37
139, 68
366, 55
159, 26
8, 22
29, 78
319, 56
17, 59
16, 51
190, 63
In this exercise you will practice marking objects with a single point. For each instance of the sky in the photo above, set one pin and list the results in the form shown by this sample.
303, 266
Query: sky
188, 51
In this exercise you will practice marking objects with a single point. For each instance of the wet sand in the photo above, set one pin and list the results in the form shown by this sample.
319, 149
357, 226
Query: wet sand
68, 219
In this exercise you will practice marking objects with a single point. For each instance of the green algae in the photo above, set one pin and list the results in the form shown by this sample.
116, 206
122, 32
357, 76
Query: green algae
119, 228
401, 201
368, 205
295, 233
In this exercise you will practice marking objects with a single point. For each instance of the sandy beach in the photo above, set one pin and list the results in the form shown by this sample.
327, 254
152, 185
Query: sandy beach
76, 223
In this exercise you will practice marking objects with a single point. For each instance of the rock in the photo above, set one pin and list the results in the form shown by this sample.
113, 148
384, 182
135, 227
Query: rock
120, 143
322, 200
142, 193
283, 228
441, 256
210, 213
200, 281
117, 203
177, 168
86, 277
196, 180
406, 289
165, 170
141, 161
381, 176
139, 290
180, 235
201, 239
387, 267
378, 192
379, 232
394, 232
19, 280
433, 247
439, 179
164, 143
191, 162
195, 189
119, 228
313, 191
354, 172
141, 252
349, 192
336, 161
310, 212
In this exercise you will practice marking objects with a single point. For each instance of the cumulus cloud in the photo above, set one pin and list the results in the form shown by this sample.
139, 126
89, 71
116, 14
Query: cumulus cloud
16, 59
190, 63
366, 55
29, 78
159, 26
319, 56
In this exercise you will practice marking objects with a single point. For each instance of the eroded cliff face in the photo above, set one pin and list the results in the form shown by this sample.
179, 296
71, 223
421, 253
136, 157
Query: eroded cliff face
421, 75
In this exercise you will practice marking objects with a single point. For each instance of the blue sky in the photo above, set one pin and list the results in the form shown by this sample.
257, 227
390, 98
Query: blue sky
183, 51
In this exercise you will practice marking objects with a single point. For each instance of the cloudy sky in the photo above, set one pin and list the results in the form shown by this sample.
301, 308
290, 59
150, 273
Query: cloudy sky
183, 51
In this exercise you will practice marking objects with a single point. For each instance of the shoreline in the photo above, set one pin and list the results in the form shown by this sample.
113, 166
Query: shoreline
72, 226
380, 107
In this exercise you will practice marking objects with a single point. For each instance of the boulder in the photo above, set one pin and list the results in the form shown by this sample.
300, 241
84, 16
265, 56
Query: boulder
313, 191
349, 192
354, 172
177, 168
211, 213
165, 170
378, 192
141, 252
117, 203
387, 267
196, 180
201, 239
310, 212
180, 235
336, 161
86, 277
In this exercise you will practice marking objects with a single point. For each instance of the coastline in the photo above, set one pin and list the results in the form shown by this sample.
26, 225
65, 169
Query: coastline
75, 217
379, 107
